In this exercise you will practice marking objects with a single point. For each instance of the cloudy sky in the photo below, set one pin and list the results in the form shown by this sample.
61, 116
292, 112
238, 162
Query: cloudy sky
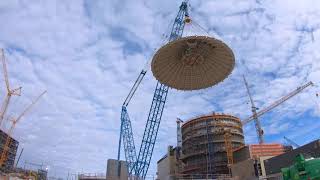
87, 54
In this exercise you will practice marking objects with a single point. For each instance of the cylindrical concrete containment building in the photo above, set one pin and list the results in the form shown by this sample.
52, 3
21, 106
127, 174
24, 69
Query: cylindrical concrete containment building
204, 143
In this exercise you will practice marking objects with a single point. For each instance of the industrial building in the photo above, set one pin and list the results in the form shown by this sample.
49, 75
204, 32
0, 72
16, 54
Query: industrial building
13, 147
206, 148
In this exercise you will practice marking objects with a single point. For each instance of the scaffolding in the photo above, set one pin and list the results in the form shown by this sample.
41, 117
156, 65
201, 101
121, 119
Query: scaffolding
208, 142
13, 147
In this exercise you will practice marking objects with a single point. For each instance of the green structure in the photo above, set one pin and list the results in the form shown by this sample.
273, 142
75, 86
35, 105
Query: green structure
302, 169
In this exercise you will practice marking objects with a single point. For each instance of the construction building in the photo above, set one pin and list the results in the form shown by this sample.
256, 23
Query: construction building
205, 144
203, 151
13, 147
23, 174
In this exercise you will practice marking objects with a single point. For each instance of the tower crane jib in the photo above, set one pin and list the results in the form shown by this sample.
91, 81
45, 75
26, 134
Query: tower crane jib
278, 102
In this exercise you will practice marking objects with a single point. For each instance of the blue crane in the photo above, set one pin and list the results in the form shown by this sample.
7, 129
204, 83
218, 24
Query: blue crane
138, 165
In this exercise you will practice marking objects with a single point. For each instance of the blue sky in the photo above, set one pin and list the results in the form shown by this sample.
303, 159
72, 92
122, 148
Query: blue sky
87, 54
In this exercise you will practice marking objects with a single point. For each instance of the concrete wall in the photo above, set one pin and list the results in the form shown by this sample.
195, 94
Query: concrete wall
241, 154
167, 166
244, 170
163, 168
263, 168
112, 170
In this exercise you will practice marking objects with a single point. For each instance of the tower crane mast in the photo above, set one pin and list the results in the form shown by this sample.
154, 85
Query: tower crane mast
139, 165
10, 92
5, 151
255, 115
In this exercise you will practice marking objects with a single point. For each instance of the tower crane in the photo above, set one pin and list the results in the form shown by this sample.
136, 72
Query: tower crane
270, 107
254, 112
6, 147
227, 134
138, 165
10, 92
228, 147
291, 142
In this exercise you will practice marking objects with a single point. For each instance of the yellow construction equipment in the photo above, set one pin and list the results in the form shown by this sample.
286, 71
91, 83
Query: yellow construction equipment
227, 142
10, 92
228, 145
6, 147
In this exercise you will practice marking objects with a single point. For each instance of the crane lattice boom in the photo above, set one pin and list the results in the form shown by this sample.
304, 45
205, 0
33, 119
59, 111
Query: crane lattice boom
10, 92
139, 165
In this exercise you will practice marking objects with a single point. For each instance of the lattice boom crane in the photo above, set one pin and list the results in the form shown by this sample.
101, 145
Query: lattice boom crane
138, 165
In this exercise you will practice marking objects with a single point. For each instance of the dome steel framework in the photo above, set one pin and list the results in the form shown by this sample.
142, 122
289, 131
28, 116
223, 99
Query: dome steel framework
192, 63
